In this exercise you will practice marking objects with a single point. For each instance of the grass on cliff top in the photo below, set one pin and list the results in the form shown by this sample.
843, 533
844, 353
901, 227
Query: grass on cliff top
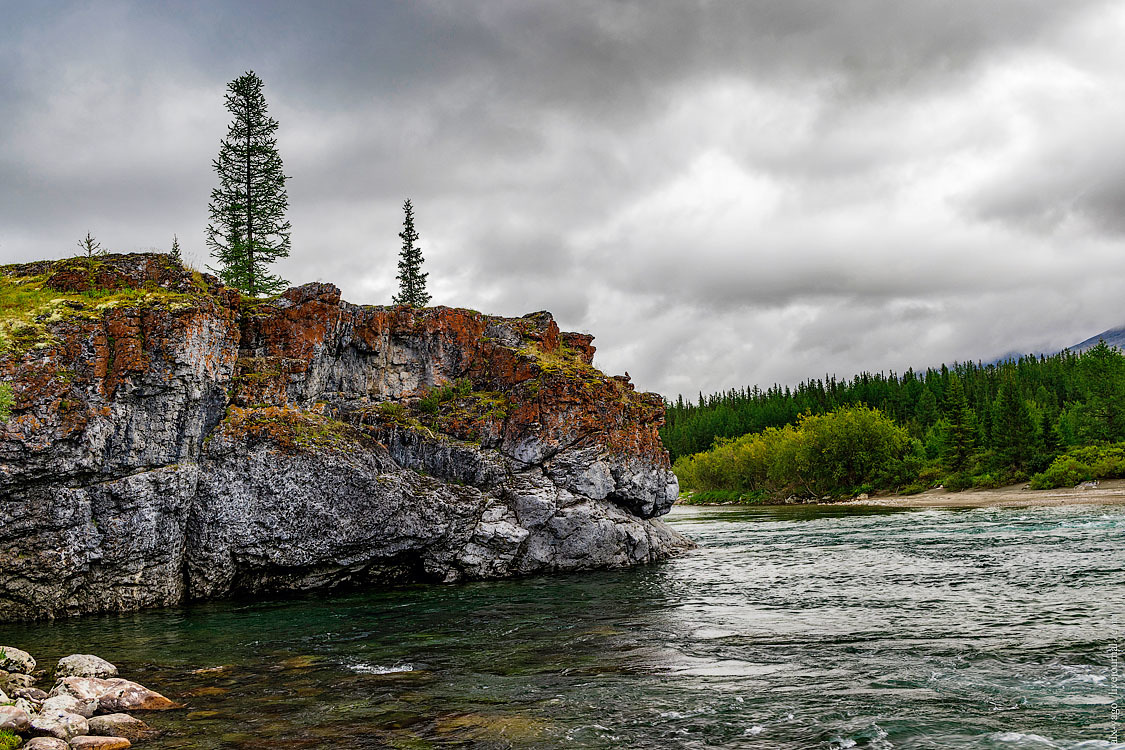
28, 306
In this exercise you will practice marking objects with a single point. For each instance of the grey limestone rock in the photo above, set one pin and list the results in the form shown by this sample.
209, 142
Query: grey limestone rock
46, 743
13, 660
84, 665
69, 704
62, 725
14, 719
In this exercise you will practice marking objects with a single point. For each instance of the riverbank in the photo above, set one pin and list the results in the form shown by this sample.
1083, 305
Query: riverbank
1108, 492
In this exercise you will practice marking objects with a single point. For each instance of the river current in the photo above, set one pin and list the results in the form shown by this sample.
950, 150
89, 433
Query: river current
789, 627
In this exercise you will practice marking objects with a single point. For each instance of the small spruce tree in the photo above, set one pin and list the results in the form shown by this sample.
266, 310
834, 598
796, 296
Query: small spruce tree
411, 280
175, 252
90, 247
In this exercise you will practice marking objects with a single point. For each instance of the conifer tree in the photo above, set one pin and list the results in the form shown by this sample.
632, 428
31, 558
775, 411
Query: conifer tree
90, 247
960, 434
175, 252
1102, 416
1013, 431
411, 280
248, 228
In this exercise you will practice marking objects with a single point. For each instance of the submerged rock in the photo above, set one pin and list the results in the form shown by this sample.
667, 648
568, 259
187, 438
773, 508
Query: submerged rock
172, 441
100, 743
119, 725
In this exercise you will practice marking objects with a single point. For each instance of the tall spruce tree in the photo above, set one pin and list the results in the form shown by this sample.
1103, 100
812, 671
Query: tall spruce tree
1013, 431
411, 280
248, 228
1102, 416
960, 433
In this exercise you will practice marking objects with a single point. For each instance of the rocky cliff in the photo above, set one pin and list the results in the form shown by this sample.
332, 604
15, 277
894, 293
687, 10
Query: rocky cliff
171, 440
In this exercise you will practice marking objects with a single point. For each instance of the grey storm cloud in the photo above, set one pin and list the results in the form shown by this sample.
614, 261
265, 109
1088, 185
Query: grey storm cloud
724, 193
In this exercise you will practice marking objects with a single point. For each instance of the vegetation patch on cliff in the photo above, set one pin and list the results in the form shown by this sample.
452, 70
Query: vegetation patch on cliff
293, 430
33, 297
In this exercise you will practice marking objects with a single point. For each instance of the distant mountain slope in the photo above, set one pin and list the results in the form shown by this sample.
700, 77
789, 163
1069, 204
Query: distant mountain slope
1113, 337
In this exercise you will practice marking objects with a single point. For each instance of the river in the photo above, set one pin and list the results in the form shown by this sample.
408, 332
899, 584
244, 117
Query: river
792, 627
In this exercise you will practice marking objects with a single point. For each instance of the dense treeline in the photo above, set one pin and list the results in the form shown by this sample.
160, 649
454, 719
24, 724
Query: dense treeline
969, 424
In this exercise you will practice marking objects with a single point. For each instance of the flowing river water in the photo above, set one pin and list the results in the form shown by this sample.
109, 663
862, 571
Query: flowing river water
789, 627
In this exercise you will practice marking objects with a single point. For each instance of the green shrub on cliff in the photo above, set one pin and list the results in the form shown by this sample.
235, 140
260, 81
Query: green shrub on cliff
6, 401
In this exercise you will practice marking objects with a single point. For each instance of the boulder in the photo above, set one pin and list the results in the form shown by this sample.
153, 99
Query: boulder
119, 725
84, 665
113, 695
100, 743
14, 660
124, 695
46, 743
14, 681
59, 724
14, 719
84, 707
30, 707
30, 693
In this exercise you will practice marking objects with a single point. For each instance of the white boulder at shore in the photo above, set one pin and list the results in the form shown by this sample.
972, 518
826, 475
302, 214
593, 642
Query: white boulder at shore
46, 743
14, 719
84, 665
113, 695
15, 660
59, 723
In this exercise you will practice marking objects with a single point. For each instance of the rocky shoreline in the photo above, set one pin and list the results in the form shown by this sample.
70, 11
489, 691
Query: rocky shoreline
88, 708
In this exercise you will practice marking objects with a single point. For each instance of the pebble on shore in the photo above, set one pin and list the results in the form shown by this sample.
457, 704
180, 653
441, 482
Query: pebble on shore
86, 709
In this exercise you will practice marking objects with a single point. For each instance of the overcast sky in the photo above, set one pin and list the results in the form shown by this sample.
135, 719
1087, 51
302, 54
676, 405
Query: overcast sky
723, 193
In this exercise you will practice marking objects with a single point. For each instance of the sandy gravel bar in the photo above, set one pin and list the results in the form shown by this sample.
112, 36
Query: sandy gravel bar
1108, 492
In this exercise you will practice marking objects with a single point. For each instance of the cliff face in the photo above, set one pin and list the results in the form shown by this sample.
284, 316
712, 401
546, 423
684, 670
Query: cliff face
172, 441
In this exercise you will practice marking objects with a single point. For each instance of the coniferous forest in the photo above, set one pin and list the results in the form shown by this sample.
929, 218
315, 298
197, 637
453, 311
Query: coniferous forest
1054, 420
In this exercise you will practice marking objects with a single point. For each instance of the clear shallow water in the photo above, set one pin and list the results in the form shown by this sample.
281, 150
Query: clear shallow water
789, 628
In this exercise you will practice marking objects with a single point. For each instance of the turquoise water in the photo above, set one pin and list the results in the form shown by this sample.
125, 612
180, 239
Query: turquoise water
788, 628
